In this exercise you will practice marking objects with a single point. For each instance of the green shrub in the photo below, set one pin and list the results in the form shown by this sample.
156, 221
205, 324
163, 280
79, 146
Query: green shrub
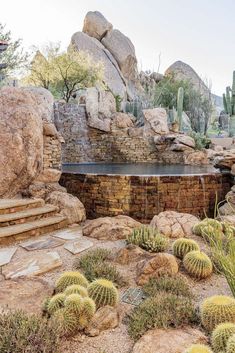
201, 141
24, 333
148, 238
94, 265
175, 285
162, 311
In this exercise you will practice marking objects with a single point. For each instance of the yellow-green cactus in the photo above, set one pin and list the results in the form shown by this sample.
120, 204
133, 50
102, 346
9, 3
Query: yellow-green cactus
208, 224
221, 335
198, 264
103, 292
55, 303
87, 313
74, 302
216, 310
198, 348
182, 246
149, 239
67, 321
70, 278
76, 289
231, 345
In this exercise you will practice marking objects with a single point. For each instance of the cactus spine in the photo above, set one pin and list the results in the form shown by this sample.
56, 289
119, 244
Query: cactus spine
180, 102
217, 310
231, 345
103, 292
74, 302
221, 335
76, 289
183, 246
198, 264
198, 348
149, 239
87, 313
70, 278
229, 105
55, 303
67, 320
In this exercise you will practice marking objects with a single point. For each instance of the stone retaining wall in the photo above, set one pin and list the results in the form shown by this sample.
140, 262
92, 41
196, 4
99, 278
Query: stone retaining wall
51, 152
143, 197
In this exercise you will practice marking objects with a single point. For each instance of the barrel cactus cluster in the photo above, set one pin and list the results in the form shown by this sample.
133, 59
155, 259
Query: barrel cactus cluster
148, 238
76, 300
198, 264
208, 226
183, 246
221, 335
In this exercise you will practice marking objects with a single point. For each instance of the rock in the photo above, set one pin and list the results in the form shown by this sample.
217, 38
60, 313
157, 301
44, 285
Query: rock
49, 129
49, 175
69, 205
230, 218
21, 136
74, 233
37, 189
96, 25
105, 318
233, 169
185, 140
182, 71
196, 158
110, 228
95, 119
42, 243
113, 77
156, 119
169, 341
156, 76
227, 209
107, 104
122, 121
230, 197
25, 294
6, 255
123, 51
131, 253
160, 265
136, 131
32, 265
44, 101
79, 246
174, 224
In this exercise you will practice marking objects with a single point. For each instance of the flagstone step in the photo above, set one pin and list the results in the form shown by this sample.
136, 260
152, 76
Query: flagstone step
27, 215
17, 205
30, 229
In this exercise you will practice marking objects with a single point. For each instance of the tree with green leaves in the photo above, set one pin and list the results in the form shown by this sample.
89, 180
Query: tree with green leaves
14, 57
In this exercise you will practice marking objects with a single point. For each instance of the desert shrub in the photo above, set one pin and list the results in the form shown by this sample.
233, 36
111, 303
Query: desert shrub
175, 285
94, 265
162, 311
23, 333
201, 141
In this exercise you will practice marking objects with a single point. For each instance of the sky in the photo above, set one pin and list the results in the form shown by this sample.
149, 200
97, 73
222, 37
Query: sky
198, 32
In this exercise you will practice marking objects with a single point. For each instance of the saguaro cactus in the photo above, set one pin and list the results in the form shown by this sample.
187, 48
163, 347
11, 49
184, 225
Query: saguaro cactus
229, 105
180, 102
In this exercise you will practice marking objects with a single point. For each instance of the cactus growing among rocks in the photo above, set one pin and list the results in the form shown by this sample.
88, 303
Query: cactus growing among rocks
180, 102
221, 335
74, 302
70, 278
55, 303
229, 105
216, 310
231, 345
198, 264
76, 289
182, 246
103, 292
212, 224
87, 313
149, 239
67, 320
198, 348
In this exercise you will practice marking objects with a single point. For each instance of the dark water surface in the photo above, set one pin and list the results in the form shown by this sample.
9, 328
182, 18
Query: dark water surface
140, 169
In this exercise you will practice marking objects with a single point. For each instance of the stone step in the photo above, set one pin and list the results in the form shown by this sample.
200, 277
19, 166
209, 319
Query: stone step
30, 229
28, 215
17, 205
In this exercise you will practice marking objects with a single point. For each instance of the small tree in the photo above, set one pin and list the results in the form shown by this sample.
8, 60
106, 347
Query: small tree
14, 57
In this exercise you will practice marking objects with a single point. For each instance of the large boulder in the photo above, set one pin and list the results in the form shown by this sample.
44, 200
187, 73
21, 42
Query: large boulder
169, 341
69, 206
122, 121
156, 120
174, 224
110, 228
105, 318
45, 102
123, 51
21, 136
113, 77
96, 25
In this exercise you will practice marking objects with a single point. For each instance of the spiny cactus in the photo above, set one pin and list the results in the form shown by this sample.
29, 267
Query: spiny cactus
229, 105
180, 102
67, 320
231, 345
103, 292
45, 305
87, 313
183, 246
228, 230
76, 289
55, 303
198, 348
149, 239
198, 264
216, 310
74, 302
69, 278
221, 335
213, 224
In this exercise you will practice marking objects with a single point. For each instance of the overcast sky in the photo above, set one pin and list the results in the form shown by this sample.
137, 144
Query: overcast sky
198, 32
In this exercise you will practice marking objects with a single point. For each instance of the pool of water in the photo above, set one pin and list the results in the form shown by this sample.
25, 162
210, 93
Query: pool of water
138, 169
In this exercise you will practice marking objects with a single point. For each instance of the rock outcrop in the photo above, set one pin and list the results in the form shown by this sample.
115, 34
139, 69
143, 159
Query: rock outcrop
21, 136
156, 120
96, 25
